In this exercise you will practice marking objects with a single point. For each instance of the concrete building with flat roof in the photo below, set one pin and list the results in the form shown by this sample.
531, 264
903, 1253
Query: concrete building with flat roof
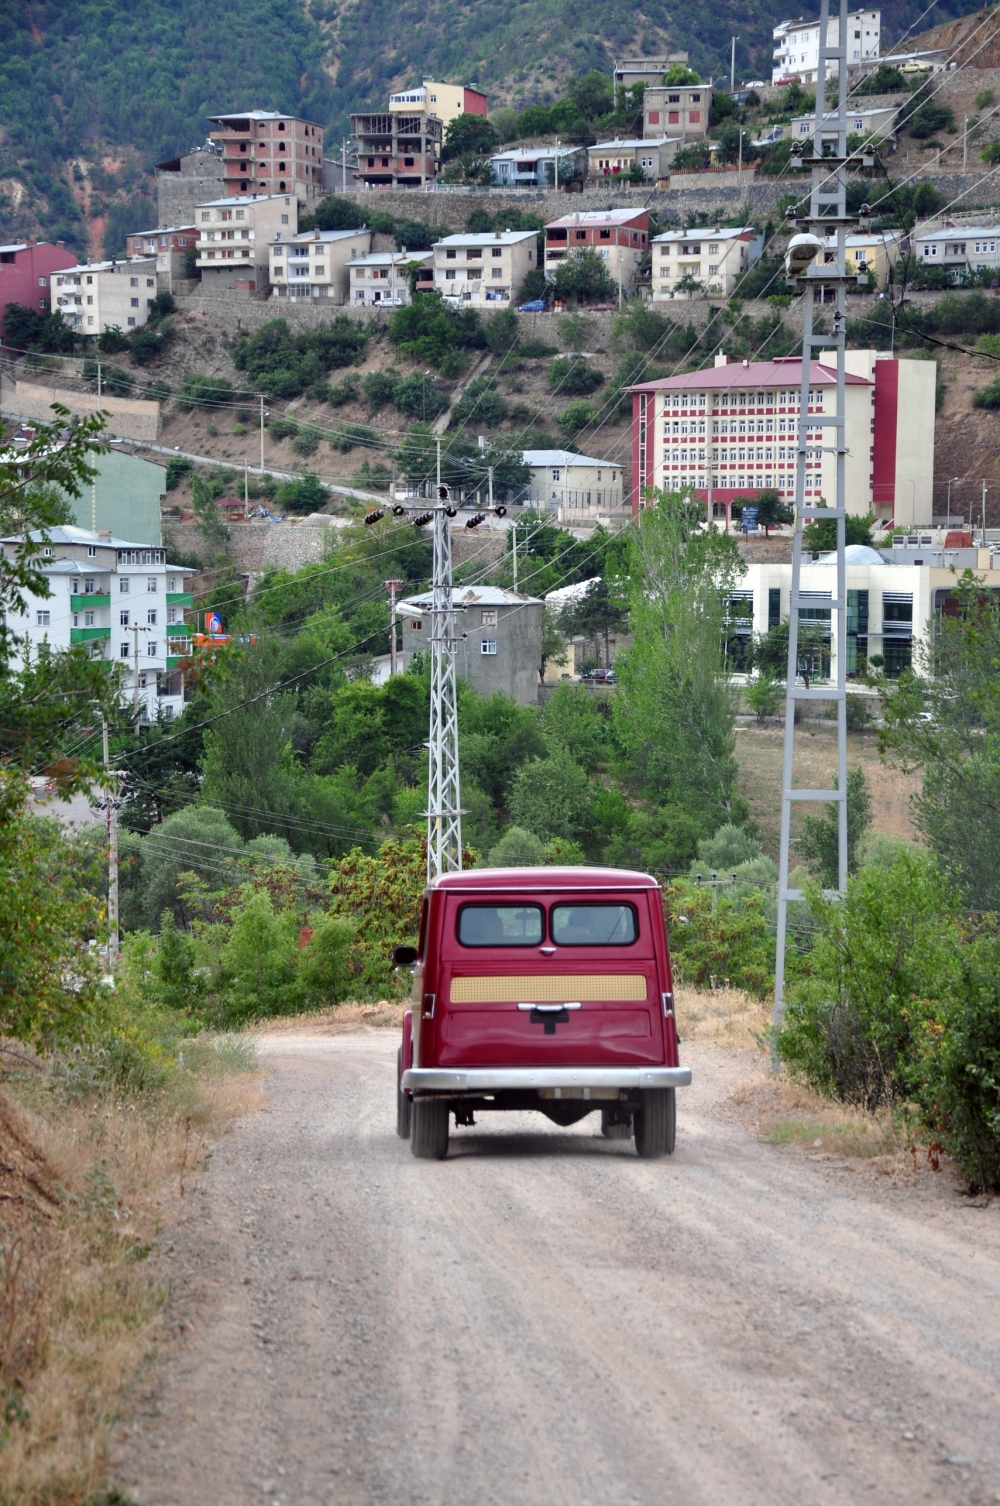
677, 110
499, 638
380, 278
619, 236
580, 490
958, 248
106, 295
396, 148
234, 239
26, 269
170, 244
316, 264
652, 155
186, 180
267, 153
446, 101
124, 498
712, 258
486, 268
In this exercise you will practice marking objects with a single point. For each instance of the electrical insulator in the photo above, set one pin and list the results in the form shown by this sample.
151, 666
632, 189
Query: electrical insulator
374, 517
443, 493
450, 511
398, 509
474, 522
500, 511
422, 519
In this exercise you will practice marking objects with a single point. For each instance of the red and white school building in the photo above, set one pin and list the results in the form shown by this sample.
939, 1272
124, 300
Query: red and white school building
730, 432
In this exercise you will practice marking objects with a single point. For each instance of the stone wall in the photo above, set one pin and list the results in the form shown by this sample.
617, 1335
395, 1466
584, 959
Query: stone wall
132, 418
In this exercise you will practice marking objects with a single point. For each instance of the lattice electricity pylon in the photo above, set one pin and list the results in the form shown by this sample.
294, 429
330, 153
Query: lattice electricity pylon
818, 264
444, 804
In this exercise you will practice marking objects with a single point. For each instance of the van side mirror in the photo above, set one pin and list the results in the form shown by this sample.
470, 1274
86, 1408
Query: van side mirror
404, 956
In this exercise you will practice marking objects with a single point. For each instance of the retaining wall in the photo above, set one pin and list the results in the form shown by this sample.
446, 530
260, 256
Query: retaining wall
132, 418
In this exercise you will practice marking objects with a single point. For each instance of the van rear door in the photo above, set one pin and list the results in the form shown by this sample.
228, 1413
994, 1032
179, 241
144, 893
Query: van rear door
565, 978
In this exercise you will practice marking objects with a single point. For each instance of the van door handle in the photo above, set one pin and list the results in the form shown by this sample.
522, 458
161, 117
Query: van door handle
547, 951
549, 1008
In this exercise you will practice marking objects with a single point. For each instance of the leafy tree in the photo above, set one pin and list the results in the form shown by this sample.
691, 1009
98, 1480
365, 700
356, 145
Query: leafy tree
569, 376
677, 73
821, 534
597, 614
819, 843
579, 723
771, 652
929, 118
764, 695
260, 961
576, 416
726, 849
551, 797
502, 331
305, 495
323, 967
380, 387
418, 397
197, 840
111, 341
884, 80
335, 213
26, 329
517, 848
584, 276
210, 525
772, 511
468, 133
198, 390
381, 894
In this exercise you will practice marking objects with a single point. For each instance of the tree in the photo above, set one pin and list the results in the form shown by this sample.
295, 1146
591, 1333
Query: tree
763, 695
584, 275
517, 848
570, 375
677, 73
770, 653
210, 525
111, 341
334, 213
468, 133
821, 534
260, 960
551, 797
578, 722
197, 839
575, 417
772, 511
819, 843
944, 719
597, 614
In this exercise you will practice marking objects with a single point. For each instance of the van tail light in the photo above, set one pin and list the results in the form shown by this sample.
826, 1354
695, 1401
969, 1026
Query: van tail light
668, 1005
427, 1008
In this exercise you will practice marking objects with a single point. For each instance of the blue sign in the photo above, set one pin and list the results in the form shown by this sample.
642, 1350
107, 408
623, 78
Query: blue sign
750, 519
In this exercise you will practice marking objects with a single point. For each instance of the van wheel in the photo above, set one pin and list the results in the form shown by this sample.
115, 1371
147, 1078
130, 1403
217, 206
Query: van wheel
656, 1123
615, 1129
404, 1103
429, 1128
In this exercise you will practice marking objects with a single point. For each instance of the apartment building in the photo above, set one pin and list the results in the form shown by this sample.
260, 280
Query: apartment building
532, 166
879, 123
619, 236
234, 239
446, 101
681, 110
712, 258
653, 155
170, 245
499, 648
397, 148
894, 597
958, 248
628, 72
26, 269
580, 490
380, 278
485, 268
316, 264
106, 295
121, 601
265, 153
188, 180
875, 252
796, 46
732, 430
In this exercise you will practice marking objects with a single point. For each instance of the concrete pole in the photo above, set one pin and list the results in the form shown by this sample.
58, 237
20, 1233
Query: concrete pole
343, 164
261, 434
246, 488
732, 63
111, 808
513, 535
135, 675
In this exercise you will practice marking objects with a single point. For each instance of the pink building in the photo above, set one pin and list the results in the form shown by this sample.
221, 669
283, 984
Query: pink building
25, 274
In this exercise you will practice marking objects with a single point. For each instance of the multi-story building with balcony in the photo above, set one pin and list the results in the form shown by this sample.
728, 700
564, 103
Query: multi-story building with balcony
485, 268
106, 295
796, 46
681, 110
711, 258
958, 248
446, 101
170, 244
265, 153
397, 148
380, 278
26, 269
122, 602
619, 236
234, 239
731, 431
652, 155
316, 264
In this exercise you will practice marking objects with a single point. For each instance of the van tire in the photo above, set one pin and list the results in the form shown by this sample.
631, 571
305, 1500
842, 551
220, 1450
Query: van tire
656, 1123
404, 1103
429, 1128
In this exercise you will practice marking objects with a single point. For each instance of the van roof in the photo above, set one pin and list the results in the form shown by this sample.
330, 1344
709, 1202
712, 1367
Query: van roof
545, 878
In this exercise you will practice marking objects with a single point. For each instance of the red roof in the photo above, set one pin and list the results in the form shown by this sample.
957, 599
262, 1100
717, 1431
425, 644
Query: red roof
786, 371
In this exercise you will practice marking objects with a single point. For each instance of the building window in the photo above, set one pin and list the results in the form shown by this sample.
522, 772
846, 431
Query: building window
488, 647
88, 619
488, 617
43, 619
151, 617
131, 321
91, 551
416, 625
124, 651
151, 650
123, 618
498, 271
151, 583
133, 282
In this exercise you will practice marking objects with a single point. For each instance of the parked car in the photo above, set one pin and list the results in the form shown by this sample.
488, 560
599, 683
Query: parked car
535, 306
601, 676
540, 988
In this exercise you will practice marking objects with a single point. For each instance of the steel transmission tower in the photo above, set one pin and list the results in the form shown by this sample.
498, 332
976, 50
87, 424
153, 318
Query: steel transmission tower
444, 805
816, 260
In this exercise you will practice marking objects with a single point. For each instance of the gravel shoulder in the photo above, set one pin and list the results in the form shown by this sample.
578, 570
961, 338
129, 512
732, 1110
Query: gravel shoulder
542, 1318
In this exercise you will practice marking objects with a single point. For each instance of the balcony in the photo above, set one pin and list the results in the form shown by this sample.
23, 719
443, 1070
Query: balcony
81, 603
178, 630
87, 635
179, 599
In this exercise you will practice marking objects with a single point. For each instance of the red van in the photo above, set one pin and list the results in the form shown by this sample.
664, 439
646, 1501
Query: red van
540, 988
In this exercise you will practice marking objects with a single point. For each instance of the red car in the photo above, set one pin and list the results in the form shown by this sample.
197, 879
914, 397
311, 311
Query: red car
540, 988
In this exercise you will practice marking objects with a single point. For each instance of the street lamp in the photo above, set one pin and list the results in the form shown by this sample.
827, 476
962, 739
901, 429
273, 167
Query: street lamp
951, 482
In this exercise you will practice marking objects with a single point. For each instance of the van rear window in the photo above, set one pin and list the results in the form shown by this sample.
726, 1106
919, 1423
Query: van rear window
594, 925
500, 925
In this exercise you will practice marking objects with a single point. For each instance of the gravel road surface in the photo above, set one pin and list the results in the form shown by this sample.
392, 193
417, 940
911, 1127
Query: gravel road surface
542, 1318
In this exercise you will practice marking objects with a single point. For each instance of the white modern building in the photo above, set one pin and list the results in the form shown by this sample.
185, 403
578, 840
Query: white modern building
712, 258
106, 295
796, 45
484, 268
122, 602
577, 488
380, 277
958, 248
532, 166
234, 236
732, 431
316, 264
894, 597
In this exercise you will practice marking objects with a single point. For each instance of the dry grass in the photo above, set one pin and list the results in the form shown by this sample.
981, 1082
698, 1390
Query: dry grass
721, 1017
781, 1112
87, 1185
345, 1019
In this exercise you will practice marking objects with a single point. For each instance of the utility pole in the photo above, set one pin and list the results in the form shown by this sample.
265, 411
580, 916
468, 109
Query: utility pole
111, 812
343, 164
392, 586
732, 64
513, 536
135, 630
739, 164
98, 381
827, 213
246, 488
984, 514
965, 145
444, 806
261, 395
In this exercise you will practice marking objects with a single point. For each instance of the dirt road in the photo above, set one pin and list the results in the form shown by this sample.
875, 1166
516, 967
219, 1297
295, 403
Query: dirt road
544, 1319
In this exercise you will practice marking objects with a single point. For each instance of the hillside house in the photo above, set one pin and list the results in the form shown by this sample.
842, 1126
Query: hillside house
958, 248
234, 238
681, 110
380, 278
170, 245
532, 166
266, 153
445, 101
106, 294
619, 236
316, 264
397, 148
483, 269
712, 258
652, 155
499, 638
580, 490
26, 269
796, 46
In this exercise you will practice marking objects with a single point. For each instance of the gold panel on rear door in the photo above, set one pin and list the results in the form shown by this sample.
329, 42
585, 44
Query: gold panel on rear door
551, 988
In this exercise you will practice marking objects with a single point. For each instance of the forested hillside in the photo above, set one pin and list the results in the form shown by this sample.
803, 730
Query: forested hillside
92, 93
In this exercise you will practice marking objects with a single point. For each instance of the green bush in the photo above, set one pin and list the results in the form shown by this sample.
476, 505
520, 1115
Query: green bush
114, 380
576, 416
198, 390
177, 467
282, 428
337, 394
480, 405
571, 376
147, 344
726, 940
284, 364
307, 494
987, 397
351, 435
111, 341
380, 387
929, 118
307, 440
418, 397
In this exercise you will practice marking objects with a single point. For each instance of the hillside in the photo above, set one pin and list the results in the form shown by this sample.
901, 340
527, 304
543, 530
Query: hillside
93, 94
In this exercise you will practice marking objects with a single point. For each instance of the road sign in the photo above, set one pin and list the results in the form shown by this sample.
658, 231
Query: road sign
750, 519
213, 623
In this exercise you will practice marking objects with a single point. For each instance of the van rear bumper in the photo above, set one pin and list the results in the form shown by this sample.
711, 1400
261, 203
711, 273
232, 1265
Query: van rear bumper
499, 1079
